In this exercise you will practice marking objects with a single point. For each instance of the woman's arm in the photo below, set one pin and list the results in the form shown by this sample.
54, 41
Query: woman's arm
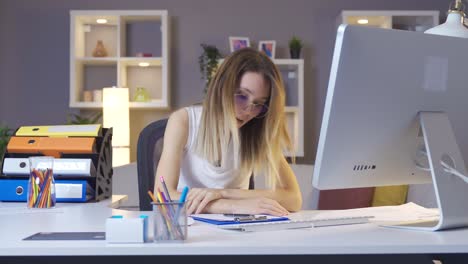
286, 196
175, 139
287, 191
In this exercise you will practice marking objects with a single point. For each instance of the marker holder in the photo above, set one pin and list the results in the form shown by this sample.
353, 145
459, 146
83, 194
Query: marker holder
170, 222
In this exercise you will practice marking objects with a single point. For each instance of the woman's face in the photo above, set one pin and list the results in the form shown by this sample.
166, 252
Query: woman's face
251, 98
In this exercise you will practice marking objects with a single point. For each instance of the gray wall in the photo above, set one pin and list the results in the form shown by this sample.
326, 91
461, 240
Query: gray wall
34, 48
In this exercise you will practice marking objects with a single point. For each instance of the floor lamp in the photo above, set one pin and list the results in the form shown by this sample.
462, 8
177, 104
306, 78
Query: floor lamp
116, 115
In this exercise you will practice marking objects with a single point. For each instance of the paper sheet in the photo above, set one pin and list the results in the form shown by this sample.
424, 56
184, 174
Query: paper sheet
404, 212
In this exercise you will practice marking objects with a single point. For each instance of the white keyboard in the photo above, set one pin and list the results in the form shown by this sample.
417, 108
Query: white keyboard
293, 224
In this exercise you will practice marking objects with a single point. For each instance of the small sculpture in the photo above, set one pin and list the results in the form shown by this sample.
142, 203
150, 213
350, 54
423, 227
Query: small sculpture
99, 50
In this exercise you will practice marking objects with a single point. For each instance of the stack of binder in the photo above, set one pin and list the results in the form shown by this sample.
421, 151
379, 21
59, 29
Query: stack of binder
82, 161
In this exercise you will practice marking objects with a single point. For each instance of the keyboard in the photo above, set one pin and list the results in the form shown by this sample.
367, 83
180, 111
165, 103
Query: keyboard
294, 224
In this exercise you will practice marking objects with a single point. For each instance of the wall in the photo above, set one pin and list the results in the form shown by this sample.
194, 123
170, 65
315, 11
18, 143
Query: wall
34, 49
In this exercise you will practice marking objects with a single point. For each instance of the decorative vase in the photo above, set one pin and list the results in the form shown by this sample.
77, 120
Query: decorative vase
295, 53
141, 95
99, 50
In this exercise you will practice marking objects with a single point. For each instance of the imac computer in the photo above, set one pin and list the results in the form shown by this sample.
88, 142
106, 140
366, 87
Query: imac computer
396, 112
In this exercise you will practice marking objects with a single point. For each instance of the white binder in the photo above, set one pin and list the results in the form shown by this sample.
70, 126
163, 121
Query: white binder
62, 167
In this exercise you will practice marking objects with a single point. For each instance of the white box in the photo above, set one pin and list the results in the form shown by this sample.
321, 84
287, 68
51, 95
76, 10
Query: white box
127, 230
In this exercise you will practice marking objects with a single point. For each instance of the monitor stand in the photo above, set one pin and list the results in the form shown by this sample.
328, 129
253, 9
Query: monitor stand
451, 190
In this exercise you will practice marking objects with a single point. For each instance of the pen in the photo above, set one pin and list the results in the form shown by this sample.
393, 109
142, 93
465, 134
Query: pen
165, 189
183, 196
238, 215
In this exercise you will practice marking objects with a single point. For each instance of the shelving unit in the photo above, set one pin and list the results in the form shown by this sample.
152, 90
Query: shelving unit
125, 34
418, 20
292, 71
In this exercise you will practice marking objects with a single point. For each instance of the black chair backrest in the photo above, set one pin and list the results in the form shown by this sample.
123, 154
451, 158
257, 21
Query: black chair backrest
149, 149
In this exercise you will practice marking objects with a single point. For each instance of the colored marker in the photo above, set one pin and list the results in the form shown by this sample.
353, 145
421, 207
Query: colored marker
152, 197
183, 196
165, 189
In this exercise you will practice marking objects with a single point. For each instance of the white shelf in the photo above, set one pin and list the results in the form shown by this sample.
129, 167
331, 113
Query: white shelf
97, 61
134, 61
417, 20
154, 104
288, 61
119, 68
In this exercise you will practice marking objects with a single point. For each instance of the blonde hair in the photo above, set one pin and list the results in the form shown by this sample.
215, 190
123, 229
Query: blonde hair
258, 145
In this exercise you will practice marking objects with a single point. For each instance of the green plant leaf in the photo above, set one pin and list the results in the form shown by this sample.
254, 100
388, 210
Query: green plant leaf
295, 43
208, 62
76, 119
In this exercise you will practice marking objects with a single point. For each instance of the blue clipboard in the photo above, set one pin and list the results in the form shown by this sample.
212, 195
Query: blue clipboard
220, 219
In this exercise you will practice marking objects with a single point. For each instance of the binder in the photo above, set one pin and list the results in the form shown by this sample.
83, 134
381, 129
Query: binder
51, 146
92, 130
220, 219
15, 190
73, 191
62, 167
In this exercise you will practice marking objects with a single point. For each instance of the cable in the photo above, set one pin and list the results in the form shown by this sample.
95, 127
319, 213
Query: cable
453, 171
447, 168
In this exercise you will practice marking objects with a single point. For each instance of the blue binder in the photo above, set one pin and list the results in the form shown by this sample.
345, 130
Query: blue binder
16, 190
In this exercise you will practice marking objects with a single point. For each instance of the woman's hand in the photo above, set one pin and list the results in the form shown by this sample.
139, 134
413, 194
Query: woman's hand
260, 205
198, 198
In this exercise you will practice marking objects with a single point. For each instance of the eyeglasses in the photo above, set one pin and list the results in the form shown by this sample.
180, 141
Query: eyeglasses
243, 102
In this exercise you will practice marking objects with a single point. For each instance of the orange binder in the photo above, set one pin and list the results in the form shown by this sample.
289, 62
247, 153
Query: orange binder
51, 146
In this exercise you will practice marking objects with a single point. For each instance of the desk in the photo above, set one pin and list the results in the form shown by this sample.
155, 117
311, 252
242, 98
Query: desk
207, 240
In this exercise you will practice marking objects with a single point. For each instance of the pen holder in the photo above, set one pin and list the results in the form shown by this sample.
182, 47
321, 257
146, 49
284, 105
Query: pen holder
170, 222
41, 184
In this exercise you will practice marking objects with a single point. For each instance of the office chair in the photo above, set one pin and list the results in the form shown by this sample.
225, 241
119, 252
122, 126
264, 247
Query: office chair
149, 149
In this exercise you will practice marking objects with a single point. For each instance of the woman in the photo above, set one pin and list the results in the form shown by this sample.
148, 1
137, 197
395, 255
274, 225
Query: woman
239, 131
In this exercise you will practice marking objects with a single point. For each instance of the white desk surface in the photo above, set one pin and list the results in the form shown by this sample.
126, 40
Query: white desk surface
204, 239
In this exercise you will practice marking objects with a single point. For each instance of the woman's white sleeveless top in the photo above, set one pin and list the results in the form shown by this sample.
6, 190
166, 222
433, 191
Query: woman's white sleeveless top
196, 172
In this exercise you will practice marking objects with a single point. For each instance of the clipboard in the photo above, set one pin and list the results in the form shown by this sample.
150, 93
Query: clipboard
225, 219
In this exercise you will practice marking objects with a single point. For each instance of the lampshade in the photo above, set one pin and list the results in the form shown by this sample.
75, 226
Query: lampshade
116, 114
454, 25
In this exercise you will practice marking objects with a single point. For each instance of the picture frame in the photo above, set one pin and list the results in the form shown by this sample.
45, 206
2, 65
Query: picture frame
237, 43
268, 47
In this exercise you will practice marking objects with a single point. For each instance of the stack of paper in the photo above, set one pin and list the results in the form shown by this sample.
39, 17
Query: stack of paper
399, 213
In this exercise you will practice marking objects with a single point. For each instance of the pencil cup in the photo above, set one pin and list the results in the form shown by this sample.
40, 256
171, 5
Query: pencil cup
41, 184
170, 222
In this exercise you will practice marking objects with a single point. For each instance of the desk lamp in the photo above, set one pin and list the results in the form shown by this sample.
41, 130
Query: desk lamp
454, 25
116, 115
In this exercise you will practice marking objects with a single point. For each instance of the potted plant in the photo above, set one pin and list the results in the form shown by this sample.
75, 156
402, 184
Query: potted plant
5, 134
295, 46
76, 119
208, 61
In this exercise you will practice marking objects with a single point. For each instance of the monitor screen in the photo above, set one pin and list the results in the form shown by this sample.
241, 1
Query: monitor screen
380, 82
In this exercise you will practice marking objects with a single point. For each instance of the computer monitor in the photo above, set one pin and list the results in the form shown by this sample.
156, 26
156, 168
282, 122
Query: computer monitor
394, 99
